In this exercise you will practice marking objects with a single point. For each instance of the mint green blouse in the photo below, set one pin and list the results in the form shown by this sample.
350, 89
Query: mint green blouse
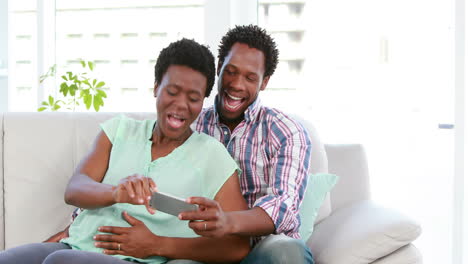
199, 167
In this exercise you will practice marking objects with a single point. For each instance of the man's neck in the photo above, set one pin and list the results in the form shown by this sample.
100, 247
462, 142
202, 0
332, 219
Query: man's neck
231, 124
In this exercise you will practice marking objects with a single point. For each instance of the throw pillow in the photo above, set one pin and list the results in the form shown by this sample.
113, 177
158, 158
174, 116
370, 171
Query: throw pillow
317, 188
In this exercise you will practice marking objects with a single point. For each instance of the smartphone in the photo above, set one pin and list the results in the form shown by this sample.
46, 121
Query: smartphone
170, 204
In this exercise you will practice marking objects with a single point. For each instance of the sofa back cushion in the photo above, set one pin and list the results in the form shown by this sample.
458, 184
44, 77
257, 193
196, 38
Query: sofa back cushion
37, 165
41, 151
349, 162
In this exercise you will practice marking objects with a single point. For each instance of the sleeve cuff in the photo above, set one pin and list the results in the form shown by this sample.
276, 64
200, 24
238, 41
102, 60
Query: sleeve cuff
285, 219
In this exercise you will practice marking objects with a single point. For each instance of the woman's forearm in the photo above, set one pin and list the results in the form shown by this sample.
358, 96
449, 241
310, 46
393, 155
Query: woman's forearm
84, 192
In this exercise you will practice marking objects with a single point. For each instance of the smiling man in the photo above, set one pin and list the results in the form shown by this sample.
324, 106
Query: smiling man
272, 150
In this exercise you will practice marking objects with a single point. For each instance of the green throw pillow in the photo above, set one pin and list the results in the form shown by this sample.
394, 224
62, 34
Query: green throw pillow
317, 188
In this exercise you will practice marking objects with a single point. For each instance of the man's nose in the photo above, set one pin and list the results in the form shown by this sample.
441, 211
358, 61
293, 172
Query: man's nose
237, 82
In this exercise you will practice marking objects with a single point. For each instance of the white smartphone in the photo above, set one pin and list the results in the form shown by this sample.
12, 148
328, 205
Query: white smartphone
170, 204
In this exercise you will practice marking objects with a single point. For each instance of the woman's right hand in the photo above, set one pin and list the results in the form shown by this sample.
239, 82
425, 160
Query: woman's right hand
135, 189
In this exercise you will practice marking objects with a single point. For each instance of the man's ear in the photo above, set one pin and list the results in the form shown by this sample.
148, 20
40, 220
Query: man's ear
264, 83
155, 90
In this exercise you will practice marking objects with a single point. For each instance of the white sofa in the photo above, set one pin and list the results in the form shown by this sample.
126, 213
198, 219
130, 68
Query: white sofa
39, 151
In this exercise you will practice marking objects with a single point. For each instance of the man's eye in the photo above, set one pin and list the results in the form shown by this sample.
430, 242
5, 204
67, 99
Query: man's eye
171, 92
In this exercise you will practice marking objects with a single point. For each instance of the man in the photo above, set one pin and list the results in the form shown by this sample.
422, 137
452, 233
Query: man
272, 150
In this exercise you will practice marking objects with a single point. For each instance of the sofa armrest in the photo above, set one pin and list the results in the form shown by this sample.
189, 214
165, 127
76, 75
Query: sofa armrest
361, 233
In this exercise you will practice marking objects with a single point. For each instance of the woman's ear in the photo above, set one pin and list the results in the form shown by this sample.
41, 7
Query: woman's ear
155, 90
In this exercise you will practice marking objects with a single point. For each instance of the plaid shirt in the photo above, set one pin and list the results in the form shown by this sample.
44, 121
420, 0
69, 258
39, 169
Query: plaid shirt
273, 152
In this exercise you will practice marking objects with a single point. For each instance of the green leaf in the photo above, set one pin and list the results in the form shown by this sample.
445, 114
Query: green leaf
102, 93
73, 89
41, 109
87, 99
56, 107
94, 82
83, 63
64, 88
91, 65
70, 76
100, 84
51, 100
97, 102
44, 103
64, 77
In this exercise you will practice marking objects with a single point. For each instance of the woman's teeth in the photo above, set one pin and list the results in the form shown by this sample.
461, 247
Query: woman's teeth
175, 121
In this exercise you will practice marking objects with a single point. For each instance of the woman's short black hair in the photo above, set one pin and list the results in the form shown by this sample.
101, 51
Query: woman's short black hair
254, 37
187, 52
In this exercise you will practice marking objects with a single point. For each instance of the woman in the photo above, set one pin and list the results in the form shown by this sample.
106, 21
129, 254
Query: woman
115, 180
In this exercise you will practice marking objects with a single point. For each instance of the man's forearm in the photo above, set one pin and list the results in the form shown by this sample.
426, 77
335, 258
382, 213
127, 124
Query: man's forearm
253, 222
204, 249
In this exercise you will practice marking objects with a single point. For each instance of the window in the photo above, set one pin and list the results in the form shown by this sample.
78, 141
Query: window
365, 77
22, 58
123, 39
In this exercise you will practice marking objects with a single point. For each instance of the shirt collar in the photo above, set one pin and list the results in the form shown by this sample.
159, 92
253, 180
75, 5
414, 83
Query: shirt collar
250, 113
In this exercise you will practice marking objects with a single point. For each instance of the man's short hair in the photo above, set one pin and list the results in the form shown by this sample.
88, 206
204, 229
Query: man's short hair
254, 37
187, 52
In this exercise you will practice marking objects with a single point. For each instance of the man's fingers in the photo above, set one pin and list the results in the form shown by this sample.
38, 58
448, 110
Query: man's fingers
202, 226
202, 201
198, 215
113, 229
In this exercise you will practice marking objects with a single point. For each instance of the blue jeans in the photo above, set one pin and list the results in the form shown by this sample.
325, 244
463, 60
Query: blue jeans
276, 249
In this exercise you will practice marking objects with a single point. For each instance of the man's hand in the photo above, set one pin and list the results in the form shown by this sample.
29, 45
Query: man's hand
135, 189
136, 241
57, 237
210, 220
